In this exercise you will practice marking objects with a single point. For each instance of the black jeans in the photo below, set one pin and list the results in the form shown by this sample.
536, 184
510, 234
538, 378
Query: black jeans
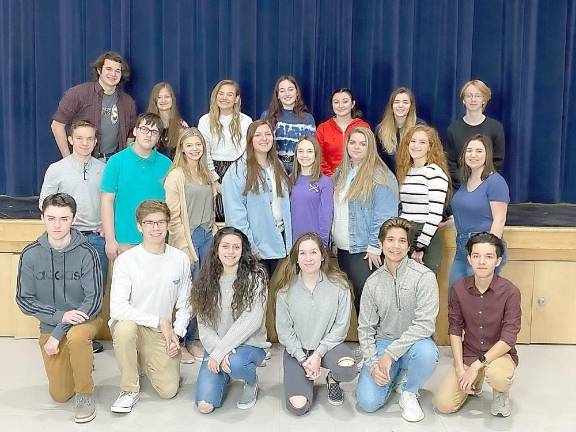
356, 267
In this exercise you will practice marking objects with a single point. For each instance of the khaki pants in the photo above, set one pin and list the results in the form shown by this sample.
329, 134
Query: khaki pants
499, 374
135, 344
70, 371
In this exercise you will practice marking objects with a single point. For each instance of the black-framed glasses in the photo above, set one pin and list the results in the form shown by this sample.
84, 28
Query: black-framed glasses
146, 130
163, 223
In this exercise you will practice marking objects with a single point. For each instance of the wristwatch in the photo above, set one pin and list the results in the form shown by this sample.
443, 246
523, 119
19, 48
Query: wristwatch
482, 359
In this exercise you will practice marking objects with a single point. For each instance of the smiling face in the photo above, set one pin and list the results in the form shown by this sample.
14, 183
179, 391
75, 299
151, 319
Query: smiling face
395, 246
263, 139
309, 257
418, 148
110, 74
484, 260
83, 140
342, 104
473, 99
154, 228
475, 156
193, 148
164, 100
226, 98
401, 105
305, 154
230, 251
357, 148
287, 94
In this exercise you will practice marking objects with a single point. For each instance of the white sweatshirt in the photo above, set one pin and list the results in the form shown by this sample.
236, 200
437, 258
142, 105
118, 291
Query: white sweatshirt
147, 287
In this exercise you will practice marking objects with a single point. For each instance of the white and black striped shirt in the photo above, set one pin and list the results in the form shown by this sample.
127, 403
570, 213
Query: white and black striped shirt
422, 195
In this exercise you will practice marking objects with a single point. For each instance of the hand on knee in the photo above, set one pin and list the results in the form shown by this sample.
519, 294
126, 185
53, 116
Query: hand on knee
205, 407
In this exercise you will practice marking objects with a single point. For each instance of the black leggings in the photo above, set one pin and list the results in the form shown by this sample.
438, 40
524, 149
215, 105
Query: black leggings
356, 267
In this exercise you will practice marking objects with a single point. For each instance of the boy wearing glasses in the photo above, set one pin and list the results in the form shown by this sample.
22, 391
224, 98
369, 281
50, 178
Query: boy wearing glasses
148, 282
132, 176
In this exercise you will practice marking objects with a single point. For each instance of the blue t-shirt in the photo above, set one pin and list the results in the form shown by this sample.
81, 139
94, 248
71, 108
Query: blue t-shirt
133, 179
472, 212
289, 129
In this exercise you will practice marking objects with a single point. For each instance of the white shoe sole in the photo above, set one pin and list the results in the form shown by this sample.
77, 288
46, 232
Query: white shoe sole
85, 419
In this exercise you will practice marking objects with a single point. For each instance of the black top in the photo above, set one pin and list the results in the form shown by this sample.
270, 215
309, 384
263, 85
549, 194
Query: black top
459, 132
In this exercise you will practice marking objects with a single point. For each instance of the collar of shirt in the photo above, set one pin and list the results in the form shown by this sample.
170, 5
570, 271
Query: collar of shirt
471, 286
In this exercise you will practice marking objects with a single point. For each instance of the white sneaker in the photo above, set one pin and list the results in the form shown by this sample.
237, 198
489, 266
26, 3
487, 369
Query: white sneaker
411, 410
125, 402
500, 404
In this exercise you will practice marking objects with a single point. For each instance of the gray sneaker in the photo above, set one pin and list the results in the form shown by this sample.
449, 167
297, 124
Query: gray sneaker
85, 408
248, 397
500, 404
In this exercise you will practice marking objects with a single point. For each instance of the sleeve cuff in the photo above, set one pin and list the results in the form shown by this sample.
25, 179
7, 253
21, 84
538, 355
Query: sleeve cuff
374, 250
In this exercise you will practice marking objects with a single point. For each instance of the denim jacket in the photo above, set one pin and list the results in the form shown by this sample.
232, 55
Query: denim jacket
252, 213
365, 219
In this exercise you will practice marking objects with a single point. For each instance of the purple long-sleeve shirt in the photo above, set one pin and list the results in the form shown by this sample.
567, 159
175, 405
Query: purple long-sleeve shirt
312, 207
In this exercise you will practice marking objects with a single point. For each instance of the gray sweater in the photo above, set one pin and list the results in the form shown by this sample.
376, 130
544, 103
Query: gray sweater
82, 182
401, 308
312, 320
248, 329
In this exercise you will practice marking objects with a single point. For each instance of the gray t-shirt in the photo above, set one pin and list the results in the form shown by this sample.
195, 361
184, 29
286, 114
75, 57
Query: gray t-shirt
199, 203
109, 123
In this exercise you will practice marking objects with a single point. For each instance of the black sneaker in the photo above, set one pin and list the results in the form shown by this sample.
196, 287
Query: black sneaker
335, 393
97, 347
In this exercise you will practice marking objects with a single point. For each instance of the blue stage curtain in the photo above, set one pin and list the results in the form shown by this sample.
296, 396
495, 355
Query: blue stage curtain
523, 49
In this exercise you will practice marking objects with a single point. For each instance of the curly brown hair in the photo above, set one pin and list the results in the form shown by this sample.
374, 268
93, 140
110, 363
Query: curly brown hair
250, 285
435, 155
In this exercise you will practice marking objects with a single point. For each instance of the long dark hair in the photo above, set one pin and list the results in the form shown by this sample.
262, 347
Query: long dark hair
250, 286
275, 107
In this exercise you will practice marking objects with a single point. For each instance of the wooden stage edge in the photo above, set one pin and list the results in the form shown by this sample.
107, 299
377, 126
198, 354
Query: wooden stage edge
542, 263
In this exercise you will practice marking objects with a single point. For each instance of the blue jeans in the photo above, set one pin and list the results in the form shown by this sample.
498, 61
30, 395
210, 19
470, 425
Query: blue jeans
202, 241
419, 362
210, 387
460, 267
97, 242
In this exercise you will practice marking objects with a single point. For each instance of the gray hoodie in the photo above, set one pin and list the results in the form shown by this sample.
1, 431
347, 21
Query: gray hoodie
52, 282
401, 308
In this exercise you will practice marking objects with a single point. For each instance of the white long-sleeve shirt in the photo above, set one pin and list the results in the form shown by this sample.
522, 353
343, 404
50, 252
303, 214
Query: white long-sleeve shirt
223, 149
147, 287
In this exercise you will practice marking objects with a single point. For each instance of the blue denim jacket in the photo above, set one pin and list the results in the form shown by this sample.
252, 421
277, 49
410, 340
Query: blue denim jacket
252, 213
365, 219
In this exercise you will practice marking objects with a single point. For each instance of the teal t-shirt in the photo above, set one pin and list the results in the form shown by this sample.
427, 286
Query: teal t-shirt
133, 179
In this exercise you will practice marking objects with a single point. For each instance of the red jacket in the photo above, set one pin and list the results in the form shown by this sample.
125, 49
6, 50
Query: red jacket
331, 141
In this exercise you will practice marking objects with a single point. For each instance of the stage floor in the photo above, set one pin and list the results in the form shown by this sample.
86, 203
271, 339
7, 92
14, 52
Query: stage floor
540, 403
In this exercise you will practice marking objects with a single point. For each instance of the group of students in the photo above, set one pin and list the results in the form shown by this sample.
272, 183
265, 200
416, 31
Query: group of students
286, 194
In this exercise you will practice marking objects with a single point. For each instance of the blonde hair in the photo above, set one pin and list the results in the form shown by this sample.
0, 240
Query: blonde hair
216, 128
387, 127
371, 171
290, 269
482, 87
296, 169
435, 154
181, 161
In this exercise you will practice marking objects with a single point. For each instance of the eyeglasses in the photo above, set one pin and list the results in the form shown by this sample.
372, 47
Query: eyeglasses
146, 130
474, 95
151, 224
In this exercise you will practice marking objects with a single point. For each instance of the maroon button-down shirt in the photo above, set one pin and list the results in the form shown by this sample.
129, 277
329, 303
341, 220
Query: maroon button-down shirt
485, 318
84, 102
